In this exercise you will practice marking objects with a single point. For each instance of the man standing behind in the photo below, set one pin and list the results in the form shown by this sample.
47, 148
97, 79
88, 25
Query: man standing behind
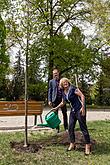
55, 96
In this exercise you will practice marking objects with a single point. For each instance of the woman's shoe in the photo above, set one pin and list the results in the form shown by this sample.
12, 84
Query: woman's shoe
71, 147
87, 149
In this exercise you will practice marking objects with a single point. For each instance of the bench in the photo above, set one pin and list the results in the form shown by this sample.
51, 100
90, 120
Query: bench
17, 108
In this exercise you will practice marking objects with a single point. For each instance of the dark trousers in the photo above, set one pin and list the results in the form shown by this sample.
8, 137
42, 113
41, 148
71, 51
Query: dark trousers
74, 116
64, 112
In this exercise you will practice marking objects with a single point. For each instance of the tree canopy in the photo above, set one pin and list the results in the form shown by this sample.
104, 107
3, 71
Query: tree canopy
50, 33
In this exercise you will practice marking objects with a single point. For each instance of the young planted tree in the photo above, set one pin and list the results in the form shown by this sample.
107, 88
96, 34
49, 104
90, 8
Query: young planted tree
19, 33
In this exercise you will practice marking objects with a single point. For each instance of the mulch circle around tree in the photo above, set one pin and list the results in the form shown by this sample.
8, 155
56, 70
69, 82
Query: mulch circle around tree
58, 139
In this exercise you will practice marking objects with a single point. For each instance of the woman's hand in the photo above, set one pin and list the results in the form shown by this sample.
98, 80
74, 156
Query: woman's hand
59, 106
54, 109
79, 93
82, 111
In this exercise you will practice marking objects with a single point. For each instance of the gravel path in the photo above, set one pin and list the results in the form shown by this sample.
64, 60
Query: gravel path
17, 122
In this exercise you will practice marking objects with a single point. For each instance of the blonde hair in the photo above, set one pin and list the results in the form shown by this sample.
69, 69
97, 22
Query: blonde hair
62, 80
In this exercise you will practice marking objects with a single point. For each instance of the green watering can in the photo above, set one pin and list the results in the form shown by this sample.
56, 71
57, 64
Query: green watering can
52, 120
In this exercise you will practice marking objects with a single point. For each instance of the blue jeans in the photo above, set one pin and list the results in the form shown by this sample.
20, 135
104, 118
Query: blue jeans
74, 116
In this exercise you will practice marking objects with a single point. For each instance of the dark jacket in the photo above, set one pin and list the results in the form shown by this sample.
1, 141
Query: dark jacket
52, 91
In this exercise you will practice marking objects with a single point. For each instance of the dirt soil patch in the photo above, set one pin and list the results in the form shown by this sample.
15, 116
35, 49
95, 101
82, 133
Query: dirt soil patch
58, 139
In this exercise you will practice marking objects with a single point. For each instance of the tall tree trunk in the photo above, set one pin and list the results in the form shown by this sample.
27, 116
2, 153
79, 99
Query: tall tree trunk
26, 98
51, 53
26, 80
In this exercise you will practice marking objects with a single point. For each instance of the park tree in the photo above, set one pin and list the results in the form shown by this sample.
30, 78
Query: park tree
37, 88
73, 55
54, 32
103, 97
100, 16
4, 57
18, 78
68, 52
52, 18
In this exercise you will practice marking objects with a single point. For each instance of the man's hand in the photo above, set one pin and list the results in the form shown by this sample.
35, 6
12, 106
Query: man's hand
50, 103
82, 111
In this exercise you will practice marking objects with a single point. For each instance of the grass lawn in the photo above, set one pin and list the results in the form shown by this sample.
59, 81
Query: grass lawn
56, 154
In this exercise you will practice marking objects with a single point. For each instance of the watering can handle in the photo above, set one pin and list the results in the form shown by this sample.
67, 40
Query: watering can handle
50, 112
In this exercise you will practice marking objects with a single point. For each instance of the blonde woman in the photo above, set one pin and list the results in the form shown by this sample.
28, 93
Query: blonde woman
76, 99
